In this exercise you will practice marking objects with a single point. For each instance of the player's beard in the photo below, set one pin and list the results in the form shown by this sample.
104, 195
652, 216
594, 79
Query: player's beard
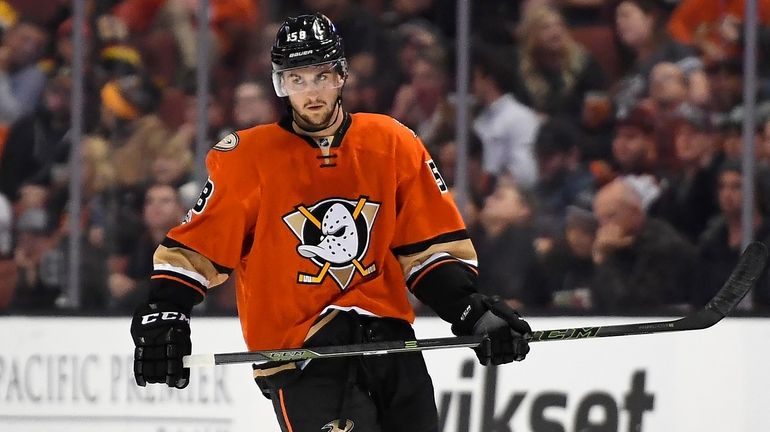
306, 123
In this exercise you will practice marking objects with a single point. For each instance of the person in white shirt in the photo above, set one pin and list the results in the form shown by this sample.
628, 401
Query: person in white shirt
506, 127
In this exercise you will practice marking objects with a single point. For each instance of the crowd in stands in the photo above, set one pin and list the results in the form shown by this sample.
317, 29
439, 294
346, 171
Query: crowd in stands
604, 154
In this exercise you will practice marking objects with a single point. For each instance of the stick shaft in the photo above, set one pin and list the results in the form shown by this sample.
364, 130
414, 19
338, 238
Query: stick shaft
750, 267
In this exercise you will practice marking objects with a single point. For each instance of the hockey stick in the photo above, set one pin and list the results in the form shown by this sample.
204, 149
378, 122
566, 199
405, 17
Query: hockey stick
745, 275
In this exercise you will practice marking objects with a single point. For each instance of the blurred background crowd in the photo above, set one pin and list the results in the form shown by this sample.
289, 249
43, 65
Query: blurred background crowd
604, 153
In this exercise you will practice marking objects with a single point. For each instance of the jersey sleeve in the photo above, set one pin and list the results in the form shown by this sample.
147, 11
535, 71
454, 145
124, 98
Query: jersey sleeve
202, 251
429, 229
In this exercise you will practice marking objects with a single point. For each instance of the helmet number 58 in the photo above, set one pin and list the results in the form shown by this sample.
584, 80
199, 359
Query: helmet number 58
296, 36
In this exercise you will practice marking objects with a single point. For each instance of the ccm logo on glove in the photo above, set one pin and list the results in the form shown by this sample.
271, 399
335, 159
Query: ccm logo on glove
164, 316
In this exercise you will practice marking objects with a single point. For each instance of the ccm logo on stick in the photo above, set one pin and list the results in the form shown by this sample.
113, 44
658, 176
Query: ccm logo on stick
164, 316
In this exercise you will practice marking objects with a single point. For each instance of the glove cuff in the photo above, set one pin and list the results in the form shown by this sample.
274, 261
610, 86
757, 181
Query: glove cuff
168, 292
475, 308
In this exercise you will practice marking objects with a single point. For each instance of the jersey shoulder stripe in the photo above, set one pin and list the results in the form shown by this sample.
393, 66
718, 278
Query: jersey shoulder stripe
414, 279
171, 243
411, 249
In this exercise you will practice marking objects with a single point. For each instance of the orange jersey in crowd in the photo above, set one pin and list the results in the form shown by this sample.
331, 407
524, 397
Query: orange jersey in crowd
695, 20
139, 15
311, 224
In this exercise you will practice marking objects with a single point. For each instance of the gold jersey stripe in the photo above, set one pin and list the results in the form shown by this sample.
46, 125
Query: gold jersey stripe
189, 260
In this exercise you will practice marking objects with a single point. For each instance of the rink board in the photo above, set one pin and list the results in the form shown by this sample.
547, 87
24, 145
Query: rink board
74, 374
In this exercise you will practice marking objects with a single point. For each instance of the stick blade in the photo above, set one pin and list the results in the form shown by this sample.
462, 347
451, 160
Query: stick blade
751, 266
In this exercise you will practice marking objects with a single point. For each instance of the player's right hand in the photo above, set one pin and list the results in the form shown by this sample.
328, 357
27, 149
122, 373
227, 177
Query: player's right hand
161, 333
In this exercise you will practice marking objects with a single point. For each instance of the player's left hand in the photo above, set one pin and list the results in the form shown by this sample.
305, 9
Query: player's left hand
507, 333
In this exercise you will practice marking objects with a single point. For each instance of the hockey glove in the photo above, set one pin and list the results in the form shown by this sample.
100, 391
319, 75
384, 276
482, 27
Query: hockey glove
506, 332
161, 333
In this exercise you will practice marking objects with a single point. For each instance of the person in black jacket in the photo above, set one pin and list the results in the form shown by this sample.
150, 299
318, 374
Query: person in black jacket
642, 264
720, 245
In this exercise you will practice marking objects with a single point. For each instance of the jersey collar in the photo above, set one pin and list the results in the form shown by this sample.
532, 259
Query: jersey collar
286, 124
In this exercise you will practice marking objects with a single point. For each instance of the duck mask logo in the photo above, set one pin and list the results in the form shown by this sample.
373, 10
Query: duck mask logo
335, 426
334, 234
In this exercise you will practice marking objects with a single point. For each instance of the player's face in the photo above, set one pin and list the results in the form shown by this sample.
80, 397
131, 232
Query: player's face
313, 93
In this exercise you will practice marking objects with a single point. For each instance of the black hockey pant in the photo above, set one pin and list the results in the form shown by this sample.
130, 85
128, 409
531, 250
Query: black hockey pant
360, 394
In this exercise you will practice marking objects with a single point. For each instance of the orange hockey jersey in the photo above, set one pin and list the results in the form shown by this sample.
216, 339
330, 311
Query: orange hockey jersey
312, 224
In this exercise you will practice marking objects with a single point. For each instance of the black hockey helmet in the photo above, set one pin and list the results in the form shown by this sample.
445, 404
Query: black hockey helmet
306, 40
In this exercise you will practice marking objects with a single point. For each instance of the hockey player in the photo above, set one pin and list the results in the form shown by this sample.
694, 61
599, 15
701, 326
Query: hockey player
327, 218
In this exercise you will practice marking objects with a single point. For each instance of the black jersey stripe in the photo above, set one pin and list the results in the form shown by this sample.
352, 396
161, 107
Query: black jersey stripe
414, 248
432, 265
181, 276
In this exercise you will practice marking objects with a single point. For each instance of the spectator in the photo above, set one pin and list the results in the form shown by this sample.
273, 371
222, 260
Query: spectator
640, 27
505, 243
162, 211
423, 103
408, 42
136, 136
668, 88
668, 94
556, 73
715, 28
720, 245
21, 79
253, 105
40, 267
687, 199
726, 81
118, 56
642, 263
732, 135
130, 125
37, 146
117, 61
565, 269
563, 180
506, 127
634, 147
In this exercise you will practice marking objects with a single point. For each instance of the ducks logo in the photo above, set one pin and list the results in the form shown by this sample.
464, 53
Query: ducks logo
334, 426
334, 235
